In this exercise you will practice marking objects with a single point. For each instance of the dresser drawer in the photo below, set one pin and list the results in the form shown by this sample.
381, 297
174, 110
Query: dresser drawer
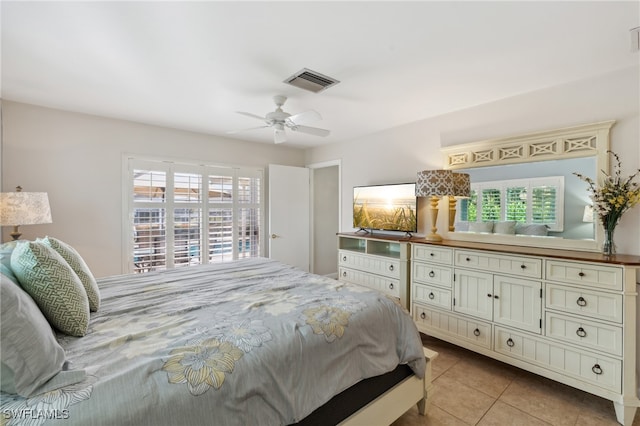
475, 332
598, 370
431, 274
430, 253
431, 295
386, 285
588, 303
370, 263
589, 334
583, 274
502, 264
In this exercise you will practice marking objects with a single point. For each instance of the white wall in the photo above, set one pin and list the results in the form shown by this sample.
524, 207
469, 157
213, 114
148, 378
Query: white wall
396, 155
77, 159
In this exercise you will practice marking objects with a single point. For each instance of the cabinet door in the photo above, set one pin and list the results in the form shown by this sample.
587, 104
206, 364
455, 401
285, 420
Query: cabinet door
518, 303
473, 293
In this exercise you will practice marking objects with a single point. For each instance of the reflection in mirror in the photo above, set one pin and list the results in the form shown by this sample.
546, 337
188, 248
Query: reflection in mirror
535, 167
574, 199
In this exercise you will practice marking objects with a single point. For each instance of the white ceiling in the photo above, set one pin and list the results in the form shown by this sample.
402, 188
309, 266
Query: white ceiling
191, 65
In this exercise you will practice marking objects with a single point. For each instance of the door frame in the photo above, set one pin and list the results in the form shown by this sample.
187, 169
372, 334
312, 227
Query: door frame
313, 167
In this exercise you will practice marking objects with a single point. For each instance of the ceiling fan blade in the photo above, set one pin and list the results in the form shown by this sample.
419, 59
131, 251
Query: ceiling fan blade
245, 130
305, 116
279, 136
248, 114
311, 130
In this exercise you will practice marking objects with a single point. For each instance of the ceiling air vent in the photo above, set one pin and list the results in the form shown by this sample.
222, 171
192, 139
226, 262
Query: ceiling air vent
311, 80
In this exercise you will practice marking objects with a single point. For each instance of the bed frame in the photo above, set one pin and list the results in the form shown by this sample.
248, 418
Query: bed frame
396, 401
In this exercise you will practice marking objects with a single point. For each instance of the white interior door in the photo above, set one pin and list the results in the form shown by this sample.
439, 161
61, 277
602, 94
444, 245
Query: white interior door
289, 211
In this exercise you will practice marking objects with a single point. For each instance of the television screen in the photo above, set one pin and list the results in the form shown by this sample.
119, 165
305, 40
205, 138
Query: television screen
386, 207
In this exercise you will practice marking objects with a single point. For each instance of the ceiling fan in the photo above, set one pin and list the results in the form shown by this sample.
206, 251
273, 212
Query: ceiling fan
280, 120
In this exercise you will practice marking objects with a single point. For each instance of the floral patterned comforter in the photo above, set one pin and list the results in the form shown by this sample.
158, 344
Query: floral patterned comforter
252, 342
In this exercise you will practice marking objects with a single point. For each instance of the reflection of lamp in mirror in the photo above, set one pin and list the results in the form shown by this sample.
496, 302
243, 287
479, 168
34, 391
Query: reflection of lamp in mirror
461, 189
434, 184
587, 216
23, 208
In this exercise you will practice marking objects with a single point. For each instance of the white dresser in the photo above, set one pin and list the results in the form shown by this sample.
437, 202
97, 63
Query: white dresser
566, 315
375, 261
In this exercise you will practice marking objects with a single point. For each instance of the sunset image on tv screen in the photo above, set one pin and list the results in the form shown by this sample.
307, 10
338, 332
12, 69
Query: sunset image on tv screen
385, 207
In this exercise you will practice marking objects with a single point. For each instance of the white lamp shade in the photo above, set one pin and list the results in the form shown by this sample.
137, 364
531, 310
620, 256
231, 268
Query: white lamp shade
434, 182
24, 208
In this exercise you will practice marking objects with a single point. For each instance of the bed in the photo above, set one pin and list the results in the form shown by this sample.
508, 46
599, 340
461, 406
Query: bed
247, 342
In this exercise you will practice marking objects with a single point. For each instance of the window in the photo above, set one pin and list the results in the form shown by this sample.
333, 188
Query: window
536, 201
184, 214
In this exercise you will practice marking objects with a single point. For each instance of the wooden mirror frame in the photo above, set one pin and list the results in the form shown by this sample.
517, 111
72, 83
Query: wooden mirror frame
590, 140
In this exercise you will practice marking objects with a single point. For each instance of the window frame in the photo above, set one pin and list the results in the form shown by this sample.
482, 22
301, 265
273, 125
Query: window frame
178, 166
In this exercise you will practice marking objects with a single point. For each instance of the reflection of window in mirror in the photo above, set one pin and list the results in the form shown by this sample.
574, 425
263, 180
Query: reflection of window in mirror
520, 202
501, 188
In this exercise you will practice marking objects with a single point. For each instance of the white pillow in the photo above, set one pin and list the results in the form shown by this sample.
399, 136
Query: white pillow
506, 227
530, 229
481, 227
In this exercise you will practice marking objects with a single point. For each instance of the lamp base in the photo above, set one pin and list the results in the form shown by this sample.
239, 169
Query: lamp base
436, 238
433, 209
15, 234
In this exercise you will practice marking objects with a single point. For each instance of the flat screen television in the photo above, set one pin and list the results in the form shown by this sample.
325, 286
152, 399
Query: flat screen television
391, 207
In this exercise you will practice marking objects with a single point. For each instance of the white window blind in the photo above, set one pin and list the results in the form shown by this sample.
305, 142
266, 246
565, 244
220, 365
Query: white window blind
184, 214
538, 201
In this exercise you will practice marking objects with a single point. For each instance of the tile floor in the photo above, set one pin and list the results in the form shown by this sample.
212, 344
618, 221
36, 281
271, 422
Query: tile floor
471, 389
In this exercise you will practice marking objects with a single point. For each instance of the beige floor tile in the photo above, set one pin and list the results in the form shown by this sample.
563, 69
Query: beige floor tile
542, 398
488, 376
443, 362
435, 417
590, 420
501, 414
460, 400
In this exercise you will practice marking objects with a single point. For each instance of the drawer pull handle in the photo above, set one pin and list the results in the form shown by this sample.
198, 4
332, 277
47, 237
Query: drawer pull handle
496, 297
423, 315
344, 274
391, 267
432, 254
468, 259
510, 342
432, 296
432, 274
597, 369
581, 301
581, 274
581, 332
391, 286
489, 295
476, 332
344, 258
523, 266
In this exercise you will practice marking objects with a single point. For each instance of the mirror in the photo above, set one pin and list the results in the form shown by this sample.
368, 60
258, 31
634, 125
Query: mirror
555, 153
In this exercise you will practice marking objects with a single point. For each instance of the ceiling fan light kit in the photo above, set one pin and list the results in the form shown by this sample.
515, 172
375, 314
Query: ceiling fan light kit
280, 120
